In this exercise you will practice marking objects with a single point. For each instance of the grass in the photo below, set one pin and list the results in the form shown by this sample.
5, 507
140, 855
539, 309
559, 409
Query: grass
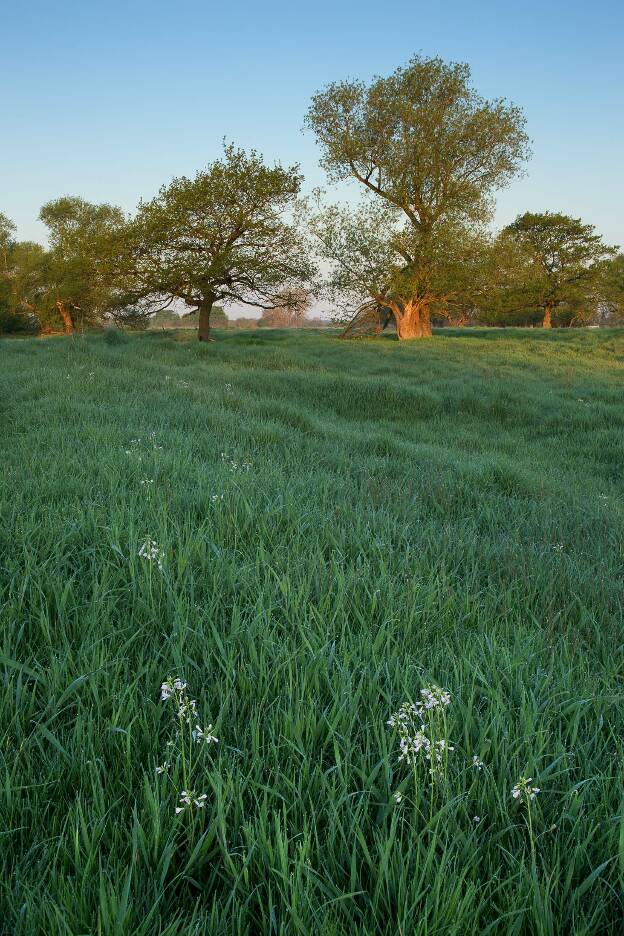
448, 512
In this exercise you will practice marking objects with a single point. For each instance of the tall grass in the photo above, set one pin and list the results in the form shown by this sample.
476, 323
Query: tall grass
448, 512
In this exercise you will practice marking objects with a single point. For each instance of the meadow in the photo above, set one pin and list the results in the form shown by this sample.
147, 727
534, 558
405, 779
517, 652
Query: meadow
307, 532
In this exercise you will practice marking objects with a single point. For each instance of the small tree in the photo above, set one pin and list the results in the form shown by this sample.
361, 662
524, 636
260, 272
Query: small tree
558, 265
220, 237
425, 144
611, 290
290, 311
79, 234
7, 239
21, 264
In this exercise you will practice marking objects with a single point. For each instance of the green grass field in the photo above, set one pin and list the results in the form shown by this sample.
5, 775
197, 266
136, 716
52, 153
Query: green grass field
341, 524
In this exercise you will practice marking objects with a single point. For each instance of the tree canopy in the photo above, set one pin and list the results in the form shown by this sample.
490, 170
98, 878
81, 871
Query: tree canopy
434, 152
558, 263
79, 233
219, 237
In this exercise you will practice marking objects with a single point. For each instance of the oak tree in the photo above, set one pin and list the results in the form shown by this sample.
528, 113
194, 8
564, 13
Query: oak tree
560, 261
221, 236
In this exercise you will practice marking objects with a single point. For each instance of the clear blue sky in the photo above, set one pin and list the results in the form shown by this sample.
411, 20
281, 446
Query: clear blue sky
110, 100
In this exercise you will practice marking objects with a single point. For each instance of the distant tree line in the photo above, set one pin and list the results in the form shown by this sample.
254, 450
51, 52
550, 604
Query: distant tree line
428, 155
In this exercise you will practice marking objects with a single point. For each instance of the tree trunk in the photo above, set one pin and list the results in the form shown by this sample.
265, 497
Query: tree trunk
414, 322
203, 328
68, 322
547, 323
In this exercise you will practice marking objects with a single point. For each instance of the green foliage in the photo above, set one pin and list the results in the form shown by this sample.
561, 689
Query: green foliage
7, 230
363, 555
422, 139
20, 281
558, 264
369, 252
75, 291
433, 151
611, 289
115, 337
220, 236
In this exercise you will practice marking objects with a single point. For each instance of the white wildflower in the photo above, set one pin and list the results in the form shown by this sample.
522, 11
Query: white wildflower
524, 791
434, 696
207, 736
190, 798
151, 552
477, 762
169, 686
398, 797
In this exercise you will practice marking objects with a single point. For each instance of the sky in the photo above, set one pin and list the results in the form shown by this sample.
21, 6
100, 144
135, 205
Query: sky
111, 100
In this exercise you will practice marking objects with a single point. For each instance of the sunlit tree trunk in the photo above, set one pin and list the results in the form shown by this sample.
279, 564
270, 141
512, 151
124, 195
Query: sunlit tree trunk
68, 322
547, 323
413, 321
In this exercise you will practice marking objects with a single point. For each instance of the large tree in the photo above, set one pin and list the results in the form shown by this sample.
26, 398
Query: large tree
219, 237
364, 249
79, 232
558, 266
433, 151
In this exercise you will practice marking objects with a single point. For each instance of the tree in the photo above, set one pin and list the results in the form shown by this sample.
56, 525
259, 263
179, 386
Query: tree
219, 237
79, 234
7, 231
611, 290
290, 312
425, 144
366, 249
20, 280
559, 263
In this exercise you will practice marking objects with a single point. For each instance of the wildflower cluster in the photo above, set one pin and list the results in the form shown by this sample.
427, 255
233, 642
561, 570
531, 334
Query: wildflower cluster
186, 709
419, 724
235, 466
151, 552
136, 447
523, 790
422, 731
525, 794
187, 734
188, 798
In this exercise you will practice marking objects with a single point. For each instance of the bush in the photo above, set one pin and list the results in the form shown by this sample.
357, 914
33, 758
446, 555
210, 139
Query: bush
115, 336
18, 323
